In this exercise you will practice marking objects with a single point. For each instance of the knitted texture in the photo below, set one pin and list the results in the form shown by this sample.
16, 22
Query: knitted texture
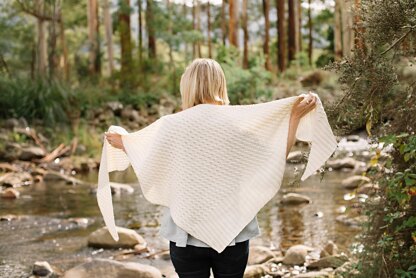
214, 166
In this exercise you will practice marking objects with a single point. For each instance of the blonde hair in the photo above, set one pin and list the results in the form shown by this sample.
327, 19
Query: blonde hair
203, 82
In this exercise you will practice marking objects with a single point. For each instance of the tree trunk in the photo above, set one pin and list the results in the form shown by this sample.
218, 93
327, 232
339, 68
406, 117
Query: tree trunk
266, 48
150, 29
233, 23
198, 26
185, 13
41, 53
52, 37
347, 28
281, 49
171, 61
359, 44
140, 39
223, 22
209, 29
64, 55
194, 27
299, 26
310, 47
245, 30
108, 26
125, 40
338, 31
92, 7
292, 31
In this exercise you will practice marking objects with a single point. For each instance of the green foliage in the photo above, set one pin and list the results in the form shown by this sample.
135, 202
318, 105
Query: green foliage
34, 99
390, 240
378, 99
139, 99
244, 85
370, 76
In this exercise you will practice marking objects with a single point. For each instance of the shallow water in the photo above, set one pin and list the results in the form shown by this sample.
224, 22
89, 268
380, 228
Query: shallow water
47, 235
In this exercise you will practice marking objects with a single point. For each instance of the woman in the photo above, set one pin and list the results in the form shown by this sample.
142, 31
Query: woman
204, 82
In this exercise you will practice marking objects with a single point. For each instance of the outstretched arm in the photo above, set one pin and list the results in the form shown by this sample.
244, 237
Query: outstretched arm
301, 107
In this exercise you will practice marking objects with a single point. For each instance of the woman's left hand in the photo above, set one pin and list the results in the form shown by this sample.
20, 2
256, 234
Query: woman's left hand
115, 140
303, 105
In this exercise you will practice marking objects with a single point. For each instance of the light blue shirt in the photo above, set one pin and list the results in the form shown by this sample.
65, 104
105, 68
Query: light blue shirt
172, 232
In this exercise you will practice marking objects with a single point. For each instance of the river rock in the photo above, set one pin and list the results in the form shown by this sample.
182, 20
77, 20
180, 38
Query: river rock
346, 270
42, 268
39, 171
354, 181
106, 268
295, 199
30, 153
354, 222
8, 167
15, 179
107, 114
9, 217
296, 254
117, 188
255, 271
333, 261
368, 188
10, 193
12, 151
296, 157
115, 106
330, 249
259, 255
346, 162
128, 238
55, 175
353, 138
167, 106
313, 274
11, 123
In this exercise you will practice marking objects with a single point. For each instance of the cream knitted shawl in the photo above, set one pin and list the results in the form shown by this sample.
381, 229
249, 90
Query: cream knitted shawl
214, 166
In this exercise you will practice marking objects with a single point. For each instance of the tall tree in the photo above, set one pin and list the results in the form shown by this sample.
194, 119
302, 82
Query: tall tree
209, 29
233, 22
150, 29
223, 22
266, 48
38, 10
41, 53
185, 14
281, 49
92, 15
170, 36
310, 47
291, 30
299, 13
140, 39
358, 28
196, 45
245, 31
108, 26
347, 27
53, 60
64, 55
125, 40
338, 30
198, 26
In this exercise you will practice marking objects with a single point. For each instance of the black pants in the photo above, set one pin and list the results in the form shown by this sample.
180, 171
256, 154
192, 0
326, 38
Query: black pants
196, 262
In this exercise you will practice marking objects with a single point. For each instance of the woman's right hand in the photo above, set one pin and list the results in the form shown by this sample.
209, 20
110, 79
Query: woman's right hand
303, 105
